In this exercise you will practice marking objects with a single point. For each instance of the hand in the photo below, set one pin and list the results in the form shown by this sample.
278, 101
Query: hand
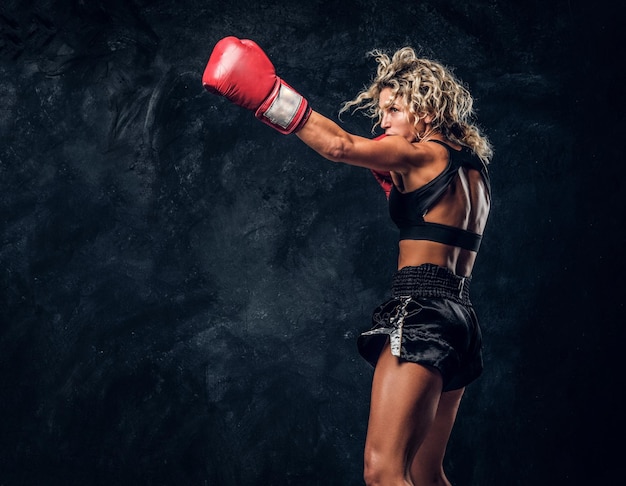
239, 70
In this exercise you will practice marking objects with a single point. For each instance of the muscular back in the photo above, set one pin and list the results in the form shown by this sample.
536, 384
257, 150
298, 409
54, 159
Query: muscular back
465, 204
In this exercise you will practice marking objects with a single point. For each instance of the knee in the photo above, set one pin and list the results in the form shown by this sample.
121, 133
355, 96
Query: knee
378, 471
372, 474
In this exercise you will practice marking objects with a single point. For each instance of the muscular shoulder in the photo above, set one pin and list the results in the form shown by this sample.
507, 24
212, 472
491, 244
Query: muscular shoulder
430, 160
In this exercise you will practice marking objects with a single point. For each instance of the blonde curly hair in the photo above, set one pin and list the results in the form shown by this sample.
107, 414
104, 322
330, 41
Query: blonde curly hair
428, 88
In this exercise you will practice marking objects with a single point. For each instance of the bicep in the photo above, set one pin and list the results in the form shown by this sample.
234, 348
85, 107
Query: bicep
389, 154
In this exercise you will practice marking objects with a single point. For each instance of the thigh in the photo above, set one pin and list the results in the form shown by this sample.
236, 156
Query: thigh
404, 401
428, 461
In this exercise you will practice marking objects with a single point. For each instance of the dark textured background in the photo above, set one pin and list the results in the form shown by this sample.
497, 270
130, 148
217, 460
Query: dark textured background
181, 286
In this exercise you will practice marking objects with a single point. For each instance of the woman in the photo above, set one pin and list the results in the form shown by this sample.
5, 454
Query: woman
425, 342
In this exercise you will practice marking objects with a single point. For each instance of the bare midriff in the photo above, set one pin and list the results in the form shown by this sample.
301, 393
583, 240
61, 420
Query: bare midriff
417, 252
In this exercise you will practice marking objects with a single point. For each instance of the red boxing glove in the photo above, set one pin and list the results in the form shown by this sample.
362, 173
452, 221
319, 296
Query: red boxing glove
383, 177
239, 70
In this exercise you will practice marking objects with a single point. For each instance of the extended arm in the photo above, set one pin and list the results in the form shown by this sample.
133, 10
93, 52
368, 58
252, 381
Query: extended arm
239, 70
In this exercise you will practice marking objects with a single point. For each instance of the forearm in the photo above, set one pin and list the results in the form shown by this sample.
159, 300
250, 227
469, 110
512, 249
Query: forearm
326, 137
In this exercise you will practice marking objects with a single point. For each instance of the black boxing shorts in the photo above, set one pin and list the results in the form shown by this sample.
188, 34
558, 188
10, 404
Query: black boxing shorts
428, 320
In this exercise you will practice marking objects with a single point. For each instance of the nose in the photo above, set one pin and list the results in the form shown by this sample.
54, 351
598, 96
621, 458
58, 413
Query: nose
384, 122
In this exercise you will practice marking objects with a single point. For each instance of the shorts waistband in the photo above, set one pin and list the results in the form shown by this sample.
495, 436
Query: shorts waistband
430, 280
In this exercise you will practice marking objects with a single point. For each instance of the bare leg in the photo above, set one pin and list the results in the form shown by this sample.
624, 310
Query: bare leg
404, 402
427, 466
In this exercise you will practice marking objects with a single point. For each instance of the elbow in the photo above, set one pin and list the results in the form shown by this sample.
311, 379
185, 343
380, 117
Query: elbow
337, 149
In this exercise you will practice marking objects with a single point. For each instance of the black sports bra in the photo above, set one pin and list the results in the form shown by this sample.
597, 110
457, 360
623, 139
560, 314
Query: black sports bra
407, 210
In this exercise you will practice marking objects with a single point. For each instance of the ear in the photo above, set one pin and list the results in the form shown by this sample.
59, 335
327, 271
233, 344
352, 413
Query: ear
428, 119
